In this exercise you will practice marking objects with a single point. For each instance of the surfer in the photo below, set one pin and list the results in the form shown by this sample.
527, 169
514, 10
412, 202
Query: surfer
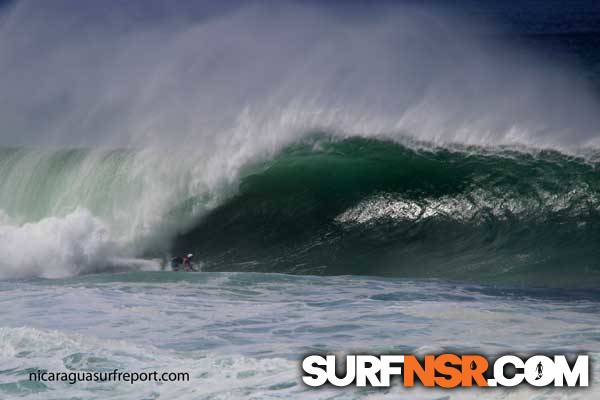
187, 263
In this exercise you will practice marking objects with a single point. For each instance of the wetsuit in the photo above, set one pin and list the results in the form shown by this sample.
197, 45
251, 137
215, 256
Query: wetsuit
187, 264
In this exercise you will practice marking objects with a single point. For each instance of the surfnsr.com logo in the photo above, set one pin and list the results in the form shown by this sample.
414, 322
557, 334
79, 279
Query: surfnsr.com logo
445, 370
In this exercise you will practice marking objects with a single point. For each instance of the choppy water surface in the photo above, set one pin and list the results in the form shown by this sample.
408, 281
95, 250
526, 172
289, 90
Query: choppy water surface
241, 335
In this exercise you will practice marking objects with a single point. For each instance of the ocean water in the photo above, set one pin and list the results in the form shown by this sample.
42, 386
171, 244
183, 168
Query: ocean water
352, 178
242, 335
334, 246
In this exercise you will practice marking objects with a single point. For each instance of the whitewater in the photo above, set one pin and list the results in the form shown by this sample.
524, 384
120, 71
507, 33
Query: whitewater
400, 180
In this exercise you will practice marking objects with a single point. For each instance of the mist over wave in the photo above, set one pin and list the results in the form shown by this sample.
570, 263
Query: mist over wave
249, 79
123, 133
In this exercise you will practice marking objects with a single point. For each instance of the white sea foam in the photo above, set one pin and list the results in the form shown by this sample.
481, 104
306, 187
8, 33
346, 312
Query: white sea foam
61, 246
242, 335
24, 350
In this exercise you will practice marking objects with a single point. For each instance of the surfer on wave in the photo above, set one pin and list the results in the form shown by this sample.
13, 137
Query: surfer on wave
185, 262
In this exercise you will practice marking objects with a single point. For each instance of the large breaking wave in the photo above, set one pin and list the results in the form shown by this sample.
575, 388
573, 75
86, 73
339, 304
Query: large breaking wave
365, 206
322, 205
131, 134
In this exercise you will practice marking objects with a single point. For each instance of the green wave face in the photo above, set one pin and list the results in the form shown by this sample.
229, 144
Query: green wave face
363, 206
141, 197
36, 184
321, 206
